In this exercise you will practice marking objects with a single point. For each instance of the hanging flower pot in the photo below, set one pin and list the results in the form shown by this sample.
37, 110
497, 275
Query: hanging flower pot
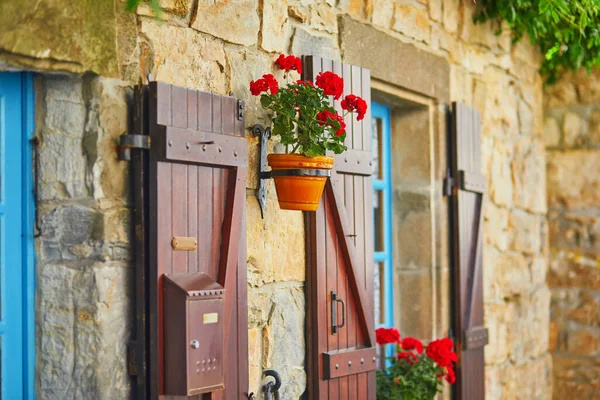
299, 192
309, 127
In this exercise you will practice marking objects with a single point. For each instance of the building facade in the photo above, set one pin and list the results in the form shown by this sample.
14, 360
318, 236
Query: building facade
83, 60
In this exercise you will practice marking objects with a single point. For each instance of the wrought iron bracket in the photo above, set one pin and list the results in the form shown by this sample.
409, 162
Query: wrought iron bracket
261, 194
128, 142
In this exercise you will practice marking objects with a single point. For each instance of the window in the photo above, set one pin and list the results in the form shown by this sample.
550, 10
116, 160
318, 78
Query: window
382, 199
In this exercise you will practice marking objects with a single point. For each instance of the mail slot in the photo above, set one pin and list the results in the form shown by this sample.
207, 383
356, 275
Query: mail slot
193, 333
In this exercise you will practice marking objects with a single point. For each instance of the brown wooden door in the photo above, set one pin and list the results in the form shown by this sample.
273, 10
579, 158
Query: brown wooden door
197, 181
467, 200
341, 364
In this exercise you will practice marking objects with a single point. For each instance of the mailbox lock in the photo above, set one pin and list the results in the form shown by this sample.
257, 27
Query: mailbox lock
195, 344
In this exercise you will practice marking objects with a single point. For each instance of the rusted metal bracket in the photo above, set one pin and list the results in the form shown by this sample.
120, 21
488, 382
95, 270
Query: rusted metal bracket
261, 193
129, 141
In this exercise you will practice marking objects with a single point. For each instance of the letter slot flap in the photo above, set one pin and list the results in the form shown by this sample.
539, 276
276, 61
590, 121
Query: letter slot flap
194, 347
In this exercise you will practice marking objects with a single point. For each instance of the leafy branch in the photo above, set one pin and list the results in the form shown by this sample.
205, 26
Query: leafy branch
566, 31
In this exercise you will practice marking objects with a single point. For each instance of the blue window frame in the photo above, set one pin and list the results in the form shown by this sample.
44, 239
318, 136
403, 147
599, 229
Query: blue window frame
17, 344
382, 208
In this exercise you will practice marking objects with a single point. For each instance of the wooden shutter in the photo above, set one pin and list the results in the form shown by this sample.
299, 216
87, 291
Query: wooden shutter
467, 199
339, 239
197, 180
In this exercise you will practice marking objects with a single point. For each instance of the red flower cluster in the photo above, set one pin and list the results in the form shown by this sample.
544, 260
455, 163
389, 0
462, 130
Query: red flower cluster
387, 335
331, 84
441, 352
304, 83
267, 82
289, 63
410, 343
354, 103
324, 118
408, 356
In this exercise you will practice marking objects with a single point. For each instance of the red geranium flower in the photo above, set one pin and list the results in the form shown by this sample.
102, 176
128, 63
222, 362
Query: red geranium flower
387, 335
354, 103
410, 343
267, 82
450, 376
324, 118
331, 84
408, 356
304, 83
441, 352
289, 63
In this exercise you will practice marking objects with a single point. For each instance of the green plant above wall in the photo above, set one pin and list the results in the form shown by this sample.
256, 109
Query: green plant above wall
567, 31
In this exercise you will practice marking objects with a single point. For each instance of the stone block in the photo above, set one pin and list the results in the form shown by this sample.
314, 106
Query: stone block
483, 34
421, 71
512, 275
529, 176
451, 15
495, 226
525, 231
254, 358
582, 342
588, 86
538, 268
567, 185
586, 311
498, 319
411, 20
500, 178
84, 323
299, 13
275, 244
283, 341
435, 10
275, 31
383, 10
551, 132
235, 21
197, 61
561, 94
323, 18
304, 42
411, 231
572, 128
413, 295
573, 270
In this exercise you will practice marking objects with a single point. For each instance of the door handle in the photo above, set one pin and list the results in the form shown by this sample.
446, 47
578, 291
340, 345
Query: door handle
334, 300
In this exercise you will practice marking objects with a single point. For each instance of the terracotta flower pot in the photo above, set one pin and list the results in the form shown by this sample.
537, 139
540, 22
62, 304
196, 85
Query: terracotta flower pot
299, 192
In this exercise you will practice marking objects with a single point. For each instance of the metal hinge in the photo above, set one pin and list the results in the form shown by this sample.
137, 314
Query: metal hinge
131, 358
128, 142
448, 183
240, 110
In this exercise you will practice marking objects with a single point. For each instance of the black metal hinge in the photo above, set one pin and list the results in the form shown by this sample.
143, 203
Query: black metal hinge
240, 110
128, 142
448, 183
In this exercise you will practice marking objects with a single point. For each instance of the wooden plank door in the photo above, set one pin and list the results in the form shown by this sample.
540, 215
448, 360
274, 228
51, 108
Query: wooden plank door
467, 200
16, 237
198, 162
339, 236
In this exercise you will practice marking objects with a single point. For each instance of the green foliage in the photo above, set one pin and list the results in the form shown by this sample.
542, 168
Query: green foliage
404, 380
300, 132
132, 5
567, 31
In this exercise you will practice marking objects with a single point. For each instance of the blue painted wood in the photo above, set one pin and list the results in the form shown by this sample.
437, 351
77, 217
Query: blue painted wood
16, 237
384, 185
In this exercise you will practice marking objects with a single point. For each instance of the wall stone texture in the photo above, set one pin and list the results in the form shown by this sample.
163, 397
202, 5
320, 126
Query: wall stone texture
84, 299
572, 127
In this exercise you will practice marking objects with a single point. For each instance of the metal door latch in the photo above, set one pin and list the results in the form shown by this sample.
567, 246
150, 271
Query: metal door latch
128, 142
271, 388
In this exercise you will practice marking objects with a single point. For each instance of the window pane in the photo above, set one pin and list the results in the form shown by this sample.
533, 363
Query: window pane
378, 220
376, 148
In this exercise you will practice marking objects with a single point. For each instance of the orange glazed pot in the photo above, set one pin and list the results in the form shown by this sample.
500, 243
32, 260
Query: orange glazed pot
301, 193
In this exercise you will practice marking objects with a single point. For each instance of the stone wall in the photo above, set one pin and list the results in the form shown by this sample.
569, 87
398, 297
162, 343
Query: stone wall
84, 295
572, 134
84, 307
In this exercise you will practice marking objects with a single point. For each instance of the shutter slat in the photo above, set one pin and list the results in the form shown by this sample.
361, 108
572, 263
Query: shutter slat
467, 201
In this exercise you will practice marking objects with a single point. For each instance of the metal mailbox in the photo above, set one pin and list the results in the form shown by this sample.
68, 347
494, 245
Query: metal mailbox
194, 337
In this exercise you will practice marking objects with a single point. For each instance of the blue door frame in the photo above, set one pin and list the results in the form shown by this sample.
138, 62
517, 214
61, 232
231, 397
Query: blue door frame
382, 185
17, 209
